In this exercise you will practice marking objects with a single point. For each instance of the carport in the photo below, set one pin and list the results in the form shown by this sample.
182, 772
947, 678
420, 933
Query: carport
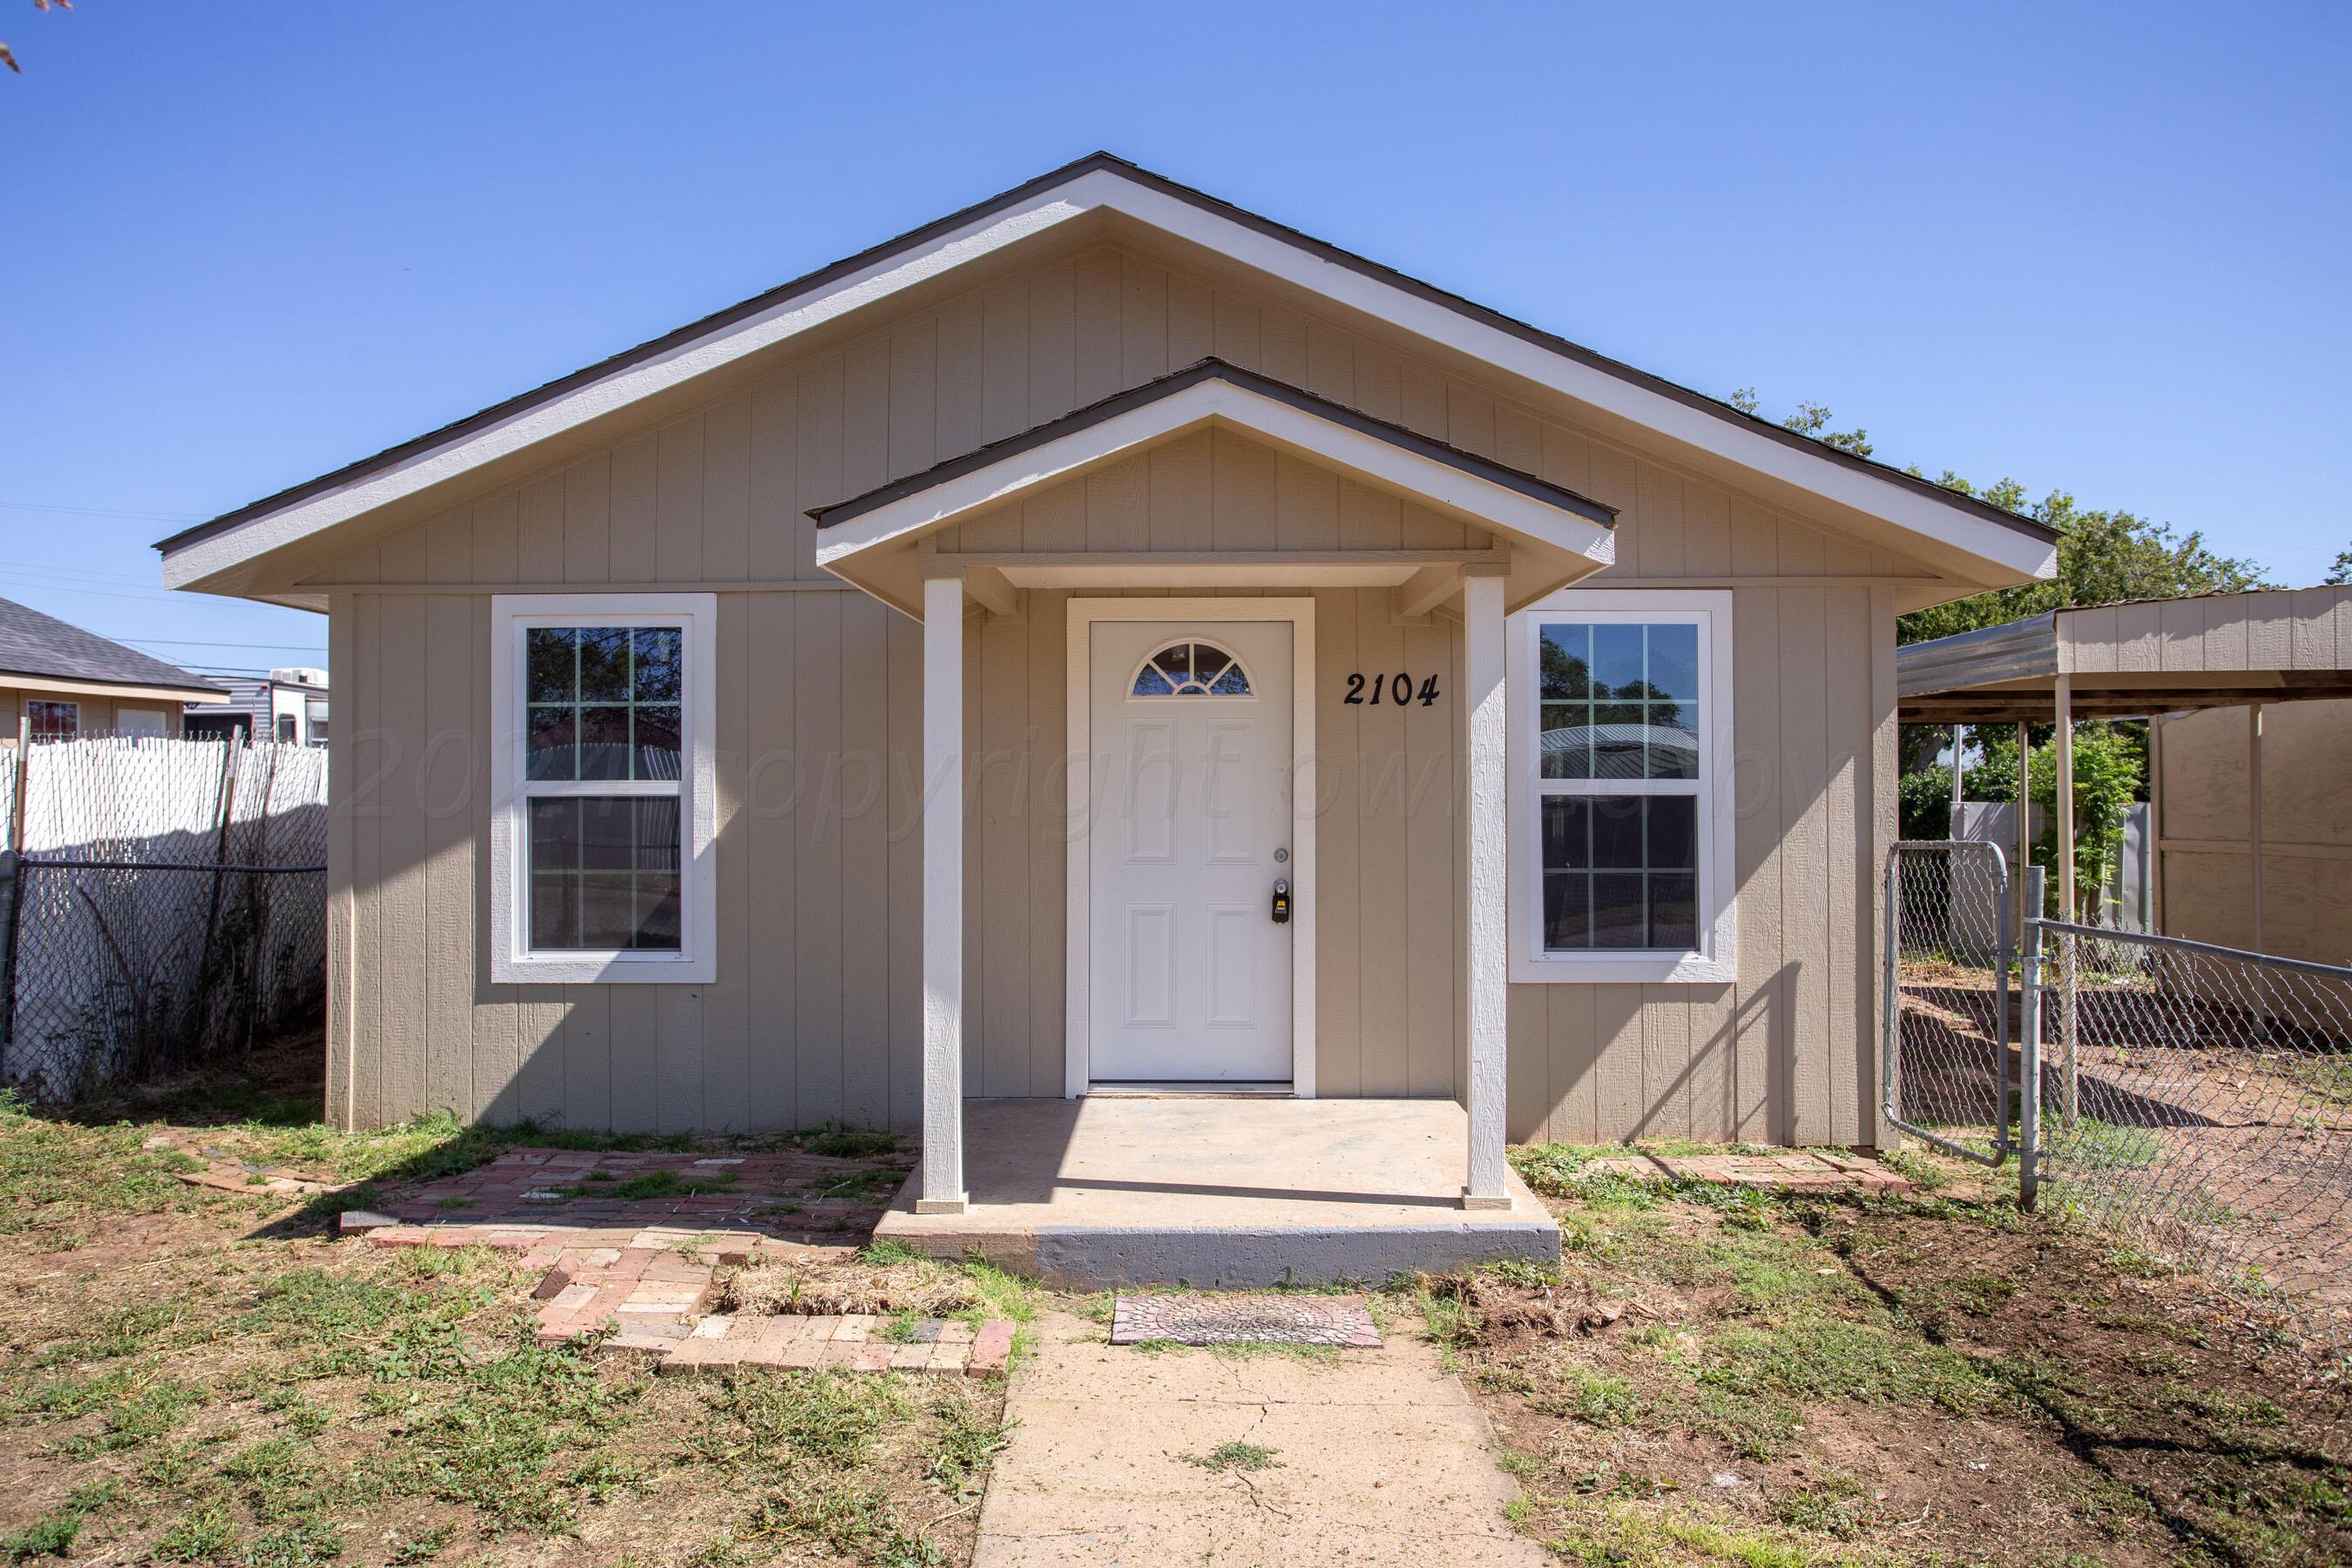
2138, 659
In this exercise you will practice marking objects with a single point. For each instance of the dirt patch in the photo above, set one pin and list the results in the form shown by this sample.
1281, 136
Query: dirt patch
1496, 1312
1891, 1377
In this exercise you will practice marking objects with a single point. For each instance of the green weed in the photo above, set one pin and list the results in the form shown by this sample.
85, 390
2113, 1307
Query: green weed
1228, 1457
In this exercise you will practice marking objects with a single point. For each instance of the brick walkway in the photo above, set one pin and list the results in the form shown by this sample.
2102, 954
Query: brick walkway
642, 1265
800, 1196
1791, 1171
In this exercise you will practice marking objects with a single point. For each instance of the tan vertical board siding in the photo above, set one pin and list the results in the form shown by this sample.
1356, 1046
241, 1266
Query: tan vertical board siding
342, 627
373, 758
905, 1012
777, 797
1338, 868
1432, 862
814, 1017
726, 1085
819, 1017
1382, 782
1884, 828
522, 1085
1001, 770
2306, 829
1046, 822
408, 1037
863, 810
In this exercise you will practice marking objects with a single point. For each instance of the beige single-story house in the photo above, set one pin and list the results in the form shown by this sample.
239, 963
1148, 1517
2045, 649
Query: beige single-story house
61, 683
1107, 641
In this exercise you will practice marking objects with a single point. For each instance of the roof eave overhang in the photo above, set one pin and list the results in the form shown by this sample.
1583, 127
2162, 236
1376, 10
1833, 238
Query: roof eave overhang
1977, 543
148, 691
1557, 536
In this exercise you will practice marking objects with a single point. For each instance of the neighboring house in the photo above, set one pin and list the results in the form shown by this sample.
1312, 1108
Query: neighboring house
288, 706
1460, 713
61, 683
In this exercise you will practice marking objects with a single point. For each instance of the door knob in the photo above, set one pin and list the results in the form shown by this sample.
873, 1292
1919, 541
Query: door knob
1282, 901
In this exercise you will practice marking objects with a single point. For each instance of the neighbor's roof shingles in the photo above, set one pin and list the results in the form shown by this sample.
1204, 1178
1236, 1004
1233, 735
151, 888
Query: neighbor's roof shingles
33, 644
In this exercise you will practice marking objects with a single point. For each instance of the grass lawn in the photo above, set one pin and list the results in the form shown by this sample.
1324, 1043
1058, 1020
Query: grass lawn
1713, 1377
1724, 1377
194, 1377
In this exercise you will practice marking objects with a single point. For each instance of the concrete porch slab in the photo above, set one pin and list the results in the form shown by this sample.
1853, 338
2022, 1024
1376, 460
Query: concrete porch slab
1227, 1192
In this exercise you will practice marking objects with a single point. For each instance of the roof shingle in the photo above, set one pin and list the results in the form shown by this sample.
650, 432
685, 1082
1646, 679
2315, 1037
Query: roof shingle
33, 644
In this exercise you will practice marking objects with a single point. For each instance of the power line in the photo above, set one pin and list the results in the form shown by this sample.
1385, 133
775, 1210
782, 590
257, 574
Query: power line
191, 642
92, 573
103, 511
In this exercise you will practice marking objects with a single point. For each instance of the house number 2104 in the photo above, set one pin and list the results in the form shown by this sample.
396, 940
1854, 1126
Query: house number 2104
1398, 687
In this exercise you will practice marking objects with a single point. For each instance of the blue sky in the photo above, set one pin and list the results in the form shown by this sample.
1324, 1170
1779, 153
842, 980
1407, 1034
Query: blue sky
2096, 247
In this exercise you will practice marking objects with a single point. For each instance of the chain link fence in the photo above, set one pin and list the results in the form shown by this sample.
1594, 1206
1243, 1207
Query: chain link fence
169, 909
1947, 1075
2195, 1101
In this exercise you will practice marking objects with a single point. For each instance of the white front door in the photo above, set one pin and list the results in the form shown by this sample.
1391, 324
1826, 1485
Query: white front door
1189, 972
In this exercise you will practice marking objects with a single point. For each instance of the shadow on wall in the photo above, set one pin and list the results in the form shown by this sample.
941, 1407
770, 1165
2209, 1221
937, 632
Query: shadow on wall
815, 1013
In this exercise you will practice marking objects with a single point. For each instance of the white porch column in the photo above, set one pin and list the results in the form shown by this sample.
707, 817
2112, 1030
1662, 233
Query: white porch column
1485, 720
942, 1191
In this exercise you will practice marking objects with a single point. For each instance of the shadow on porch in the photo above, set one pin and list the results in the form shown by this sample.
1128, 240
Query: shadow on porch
1240, 1191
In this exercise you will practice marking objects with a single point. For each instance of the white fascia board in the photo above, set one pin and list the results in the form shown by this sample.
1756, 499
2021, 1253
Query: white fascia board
1103, 189
551, 420
1382, 462
1410, 312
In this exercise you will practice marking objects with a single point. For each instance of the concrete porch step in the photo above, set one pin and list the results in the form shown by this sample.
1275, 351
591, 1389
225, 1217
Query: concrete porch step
1225, 1192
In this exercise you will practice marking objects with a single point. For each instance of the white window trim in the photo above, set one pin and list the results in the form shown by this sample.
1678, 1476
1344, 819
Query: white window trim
1716, 961
695, 962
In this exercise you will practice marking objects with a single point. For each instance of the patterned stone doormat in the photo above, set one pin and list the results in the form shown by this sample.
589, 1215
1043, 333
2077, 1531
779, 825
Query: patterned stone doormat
1213, 1319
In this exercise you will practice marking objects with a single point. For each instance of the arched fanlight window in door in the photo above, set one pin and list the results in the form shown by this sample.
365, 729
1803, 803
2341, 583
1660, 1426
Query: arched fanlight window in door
1191, 669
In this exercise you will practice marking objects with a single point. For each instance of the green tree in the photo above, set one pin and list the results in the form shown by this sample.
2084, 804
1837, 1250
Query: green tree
2110, 777
2103, 557
2341, 572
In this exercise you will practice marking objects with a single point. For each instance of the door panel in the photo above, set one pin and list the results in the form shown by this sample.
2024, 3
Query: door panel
1191, 977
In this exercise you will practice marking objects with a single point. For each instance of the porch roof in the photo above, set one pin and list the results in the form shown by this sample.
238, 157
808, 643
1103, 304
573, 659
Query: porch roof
1556, 534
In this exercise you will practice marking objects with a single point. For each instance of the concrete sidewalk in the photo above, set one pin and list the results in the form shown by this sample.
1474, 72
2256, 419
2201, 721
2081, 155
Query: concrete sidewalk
1377, 1459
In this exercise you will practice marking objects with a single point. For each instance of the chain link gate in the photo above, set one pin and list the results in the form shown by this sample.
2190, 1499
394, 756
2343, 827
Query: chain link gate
2195, 1101
1948, 954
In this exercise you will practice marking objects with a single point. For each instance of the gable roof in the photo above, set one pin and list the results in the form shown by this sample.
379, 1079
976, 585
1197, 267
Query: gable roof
43, 645
1563, 535
2006, 546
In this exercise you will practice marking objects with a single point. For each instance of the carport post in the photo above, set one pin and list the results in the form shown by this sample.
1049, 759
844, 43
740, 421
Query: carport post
942, 1191
2064, 806
2029, 1035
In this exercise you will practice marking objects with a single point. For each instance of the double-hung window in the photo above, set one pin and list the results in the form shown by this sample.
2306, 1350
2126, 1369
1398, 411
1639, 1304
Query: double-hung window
1622, 822
600, 834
